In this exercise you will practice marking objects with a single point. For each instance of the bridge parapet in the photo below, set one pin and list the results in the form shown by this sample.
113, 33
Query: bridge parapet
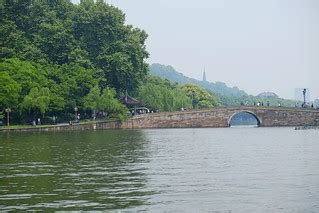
219, 117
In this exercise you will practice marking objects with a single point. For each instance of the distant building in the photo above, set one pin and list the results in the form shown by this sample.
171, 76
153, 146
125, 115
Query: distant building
267, 95
299, 94
204, 76
316, 103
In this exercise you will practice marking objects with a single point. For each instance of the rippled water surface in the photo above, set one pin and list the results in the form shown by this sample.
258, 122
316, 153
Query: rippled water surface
188, 170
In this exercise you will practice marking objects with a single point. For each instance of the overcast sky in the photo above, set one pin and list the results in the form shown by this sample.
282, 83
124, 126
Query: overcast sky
257, 45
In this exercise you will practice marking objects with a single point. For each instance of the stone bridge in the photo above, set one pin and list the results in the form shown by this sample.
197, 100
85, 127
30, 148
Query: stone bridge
220, 117
216, 117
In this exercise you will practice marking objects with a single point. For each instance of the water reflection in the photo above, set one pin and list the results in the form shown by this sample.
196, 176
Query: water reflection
174, 170
73, 171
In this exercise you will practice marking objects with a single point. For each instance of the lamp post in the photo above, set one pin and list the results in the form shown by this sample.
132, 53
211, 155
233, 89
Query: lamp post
193, 99
8, 110
304, 97
76, 113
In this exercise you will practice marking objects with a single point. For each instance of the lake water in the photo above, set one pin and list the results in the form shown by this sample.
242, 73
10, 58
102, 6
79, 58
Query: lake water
186, 170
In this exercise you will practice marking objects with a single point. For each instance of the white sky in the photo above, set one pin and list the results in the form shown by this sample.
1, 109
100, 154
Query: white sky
257, 45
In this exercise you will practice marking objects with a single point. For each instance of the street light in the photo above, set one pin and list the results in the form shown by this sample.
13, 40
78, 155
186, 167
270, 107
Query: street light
8, 110
76, 113
304, 97
193, 99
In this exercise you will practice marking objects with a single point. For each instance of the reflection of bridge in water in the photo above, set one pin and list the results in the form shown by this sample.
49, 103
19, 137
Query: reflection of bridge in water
221, 117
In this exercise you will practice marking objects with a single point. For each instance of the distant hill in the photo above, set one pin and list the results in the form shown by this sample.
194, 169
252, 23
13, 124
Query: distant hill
230, 96
267, 95
220, 88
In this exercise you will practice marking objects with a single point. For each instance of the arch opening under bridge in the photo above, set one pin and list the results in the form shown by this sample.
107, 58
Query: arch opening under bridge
244, 118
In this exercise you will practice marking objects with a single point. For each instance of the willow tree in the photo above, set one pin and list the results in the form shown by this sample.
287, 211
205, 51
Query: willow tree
105, 101
37, 101
163, 95
91, 101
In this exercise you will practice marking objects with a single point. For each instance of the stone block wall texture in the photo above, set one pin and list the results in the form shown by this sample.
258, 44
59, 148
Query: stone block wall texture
217, 117
220, 117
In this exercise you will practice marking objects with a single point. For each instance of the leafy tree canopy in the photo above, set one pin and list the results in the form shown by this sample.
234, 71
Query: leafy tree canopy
105, 101
200, 97
37, 100
9, 91
54, 52
162, 95
91, 34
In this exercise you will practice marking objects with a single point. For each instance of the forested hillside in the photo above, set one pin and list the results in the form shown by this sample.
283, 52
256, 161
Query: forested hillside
220, 88
227, 96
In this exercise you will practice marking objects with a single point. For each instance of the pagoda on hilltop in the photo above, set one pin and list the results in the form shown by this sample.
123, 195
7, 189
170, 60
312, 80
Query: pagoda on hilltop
204, 76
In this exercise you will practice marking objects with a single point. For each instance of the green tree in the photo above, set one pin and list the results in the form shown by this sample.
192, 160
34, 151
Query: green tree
110, 104
37, 101
27, 74
163, 95
91, 34
68, 49
91, 101
73, 82
118, 50
9, 91
106, 102
200, 97
1, 116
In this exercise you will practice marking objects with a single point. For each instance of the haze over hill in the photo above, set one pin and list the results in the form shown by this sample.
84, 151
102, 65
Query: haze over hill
220, 88
230, 96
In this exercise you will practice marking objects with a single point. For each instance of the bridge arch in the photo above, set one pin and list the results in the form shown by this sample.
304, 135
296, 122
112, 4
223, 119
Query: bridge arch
244, 111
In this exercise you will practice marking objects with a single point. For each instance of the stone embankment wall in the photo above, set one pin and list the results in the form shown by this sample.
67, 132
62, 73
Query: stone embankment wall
66, 127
